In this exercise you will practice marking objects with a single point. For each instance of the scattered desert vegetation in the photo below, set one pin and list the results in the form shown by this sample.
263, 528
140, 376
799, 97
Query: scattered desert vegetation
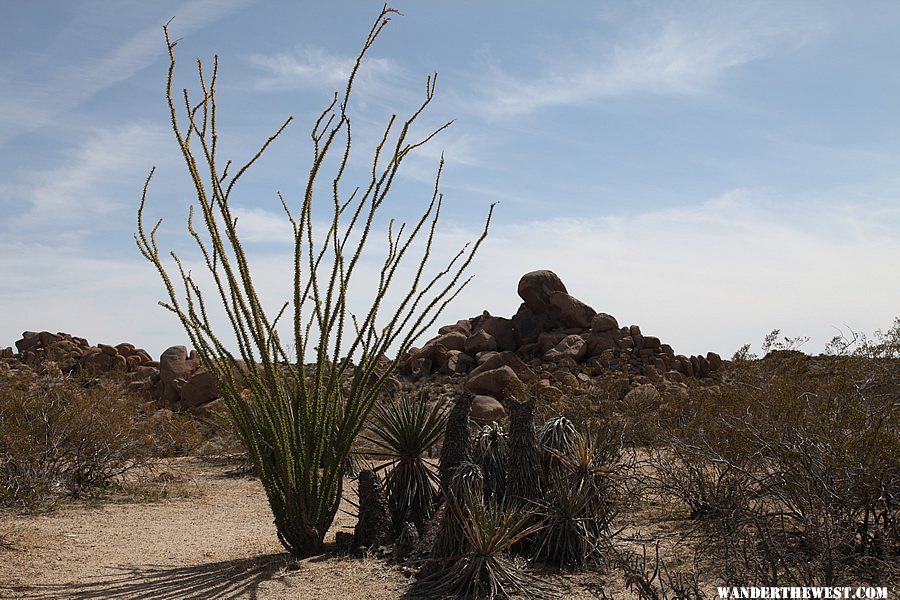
70, 436
551, 453
786, 471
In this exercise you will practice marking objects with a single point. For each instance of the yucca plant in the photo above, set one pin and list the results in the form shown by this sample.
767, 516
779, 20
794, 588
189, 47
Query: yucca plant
373, 522
523, 483
457, 447
464, 492
404, 431
593, 464
297, 427
574, 525
490, 452
556, 435
484, 571
582, 497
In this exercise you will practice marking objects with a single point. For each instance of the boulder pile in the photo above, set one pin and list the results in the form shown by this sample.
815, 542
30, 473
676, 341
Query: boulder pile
70, 354
175, 381
554, 339
554, 343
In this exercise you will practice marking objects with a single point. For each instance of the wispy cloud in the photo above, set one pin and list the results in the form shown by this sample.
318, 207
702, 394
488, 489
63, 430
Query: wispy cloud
307, 67
263, 226
90, 181
683, 53
38, 93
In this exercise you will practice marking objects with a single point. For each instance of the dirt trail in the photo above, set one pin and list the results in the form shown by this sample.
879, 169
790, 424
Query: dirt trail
218, 542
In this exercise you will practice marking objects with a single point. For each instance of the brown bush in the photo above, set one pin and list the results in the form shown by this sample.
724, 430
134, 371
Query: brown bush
65, 436
795, 462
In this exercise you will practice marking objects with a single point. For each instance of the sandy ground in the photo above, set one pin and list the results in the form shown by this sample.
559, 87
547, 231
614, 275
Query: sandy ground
211, 537
217, 542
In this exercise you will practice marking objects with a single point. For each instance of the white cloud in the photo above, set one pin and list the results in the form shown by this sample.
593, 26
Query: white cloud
684, 53
90, 182
38, 94
307, 67
261, 225
711, 276
55, 287
706, 277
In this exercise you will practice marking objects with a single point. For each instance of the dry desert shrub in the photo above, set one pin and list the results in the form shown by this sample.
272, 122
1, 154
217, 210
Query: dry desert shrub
794, 466
65, 436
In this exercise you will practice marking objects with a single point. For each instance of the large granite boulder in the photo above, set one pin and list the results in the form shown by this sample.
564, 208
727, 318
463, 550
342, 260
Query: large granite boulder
499, 383
535, 289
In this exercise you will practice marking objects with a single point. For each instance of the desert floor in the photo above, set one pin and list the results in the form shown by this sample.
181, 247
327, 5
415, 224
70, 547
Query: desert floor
201, 531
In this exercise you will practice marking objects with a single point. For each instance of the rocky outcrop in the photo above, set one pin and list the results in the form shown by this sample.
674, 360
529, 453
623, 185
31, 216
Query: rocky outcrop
175, 381
553, 343
74, 354
554, 340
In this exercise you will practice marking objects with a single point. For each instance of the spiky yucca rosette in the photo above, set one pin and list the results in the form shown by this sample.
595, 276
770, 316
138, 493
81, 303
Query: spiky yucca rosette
405, 430
484, 571
580, 501
557, 435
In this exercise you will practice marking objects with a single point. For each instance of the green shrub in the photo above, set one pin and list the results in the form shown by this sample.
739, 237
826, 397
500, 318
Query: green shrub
298, 424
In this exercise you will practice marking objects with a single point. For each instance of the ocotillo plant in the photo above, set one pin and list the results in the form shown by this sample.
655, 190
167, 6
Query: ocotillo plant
298, 428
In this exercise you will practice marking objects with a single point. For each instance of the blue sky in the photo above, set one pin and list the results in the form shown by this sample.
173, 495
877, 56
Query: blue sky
707, 170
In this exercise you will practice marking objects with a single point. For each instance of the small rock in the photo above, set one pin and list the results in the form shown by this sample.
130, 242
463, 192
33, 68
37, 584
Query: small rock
493, 360
125, 349
458, 363
501, 330
571, 346
107, 349
199, 389
651, 342
486, 409
480, 341
451, 341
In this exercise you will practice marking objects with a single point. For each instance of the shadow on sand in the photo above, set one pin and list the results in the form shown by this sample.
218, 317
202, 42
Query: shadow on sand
224, 579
